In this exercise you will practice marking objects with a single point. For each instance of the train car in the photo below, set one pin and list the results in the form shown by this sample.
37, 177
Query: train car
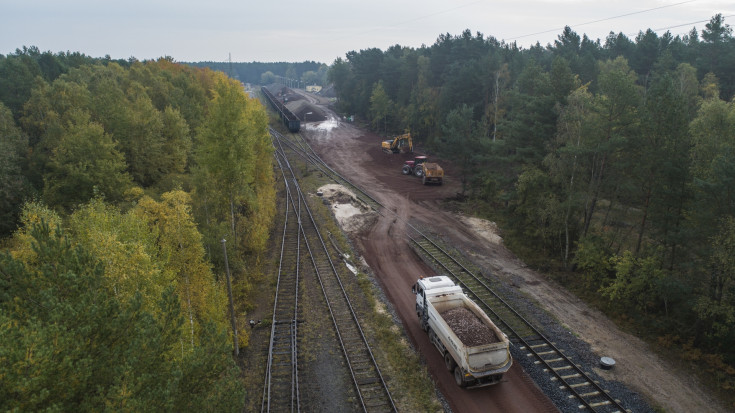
292, 122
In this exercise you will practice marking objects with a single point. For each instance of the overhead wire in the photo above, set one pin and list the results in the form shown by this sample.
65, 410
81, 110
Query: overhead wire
687, 24
602, 20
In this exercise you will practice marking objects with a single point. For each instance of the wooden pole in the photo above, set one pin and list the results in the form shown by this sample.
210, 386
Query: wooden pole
229, 293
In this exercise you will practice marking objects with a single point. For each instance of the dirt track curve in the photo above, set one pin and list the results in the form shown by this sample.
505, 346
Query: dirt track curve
357, 155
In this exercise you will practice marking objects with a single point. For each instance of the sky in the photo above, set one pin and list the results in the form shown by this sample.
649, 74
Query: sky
323, 30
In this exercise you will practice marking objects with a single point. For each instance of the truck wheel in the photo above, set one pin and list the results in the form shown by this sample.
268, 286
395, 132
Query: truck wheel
419, 172
406, 170
459, 377
449, 361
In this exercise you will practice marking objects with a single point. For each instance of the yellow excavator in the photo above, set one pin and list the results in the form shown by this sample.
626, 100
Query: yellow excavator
400, 143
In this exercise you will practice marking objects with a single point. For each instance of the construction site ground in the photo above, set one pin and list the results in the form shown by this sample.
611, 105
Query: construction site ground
356, 153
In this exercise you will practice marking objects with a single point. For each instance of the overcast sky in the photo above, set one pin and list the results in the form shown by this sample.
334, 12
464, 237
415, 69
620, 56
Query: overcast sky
322, 30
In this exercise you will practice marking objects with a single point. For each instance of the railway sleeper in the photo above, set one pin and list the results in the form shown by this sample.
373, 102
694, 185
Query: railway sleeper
593, 405
567, 377
367, 380
585, 395
577, 385
362, 368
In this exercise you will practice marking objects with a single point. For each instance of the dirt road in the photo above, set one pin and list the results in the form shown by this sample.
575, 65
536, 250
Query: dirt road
357, 155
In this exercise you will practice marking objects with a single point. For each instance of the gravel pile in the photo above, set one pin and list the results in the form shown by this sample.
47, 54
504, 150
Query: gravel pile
468, 327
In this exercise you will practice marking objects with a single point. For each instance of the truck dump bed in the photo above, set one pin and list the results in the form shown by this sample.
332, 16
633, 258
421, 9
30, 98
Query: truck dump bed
478, 341
469, 328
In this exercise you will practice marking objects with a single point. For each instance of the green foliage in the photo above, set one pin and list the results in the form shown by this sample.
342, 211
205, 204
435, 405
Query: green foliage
380, 106
128, 247
635, 280
180, 254
716, 307
85, 162
14, 186
593, 261
613, 163
69, 344
91, 137
230, 150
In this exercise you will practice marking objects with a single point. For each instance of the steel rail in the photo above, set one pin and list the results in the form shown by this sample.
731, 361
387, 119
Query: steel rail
285, 315
351, 351
312, 157
511, 326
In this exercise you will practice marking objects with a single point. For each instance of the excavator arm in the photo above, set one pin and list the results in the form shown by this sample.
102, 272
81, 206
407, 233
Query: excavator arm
398, 144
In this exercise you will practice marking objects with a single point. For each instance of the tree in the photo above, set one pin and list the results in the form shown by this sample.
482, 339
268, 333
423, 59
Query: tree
224, 154
267, 78
380, 106
17, 74
310, 77
717, 53
462, 139
614, 117
716, 305
85, 161
180, 252
14, 186
636, 281
659, 165
68, 344
569, 162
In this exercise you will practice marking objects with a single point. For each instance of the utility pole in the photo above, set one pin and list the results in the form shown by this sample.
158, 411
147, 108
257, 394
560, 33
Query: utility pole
229, 293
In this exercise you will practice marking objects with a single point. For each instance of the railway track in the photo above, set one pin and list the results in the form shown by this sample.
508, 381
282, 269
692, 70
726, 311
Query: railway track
589, 394
312, 252
569, 375
281, 388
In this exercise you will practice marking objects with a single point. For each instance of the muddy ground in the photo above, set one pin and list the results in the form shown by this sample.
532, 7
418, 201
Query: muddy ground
356, 154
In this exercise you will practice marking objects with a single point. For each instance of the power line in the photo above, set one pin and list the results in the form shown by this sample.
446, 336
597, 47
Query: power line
602, 20
687, 24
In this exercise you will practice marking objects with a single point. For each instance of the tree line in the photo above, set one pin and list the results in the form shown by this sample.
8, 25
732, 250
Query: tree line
610, 164
119, 181
263, 73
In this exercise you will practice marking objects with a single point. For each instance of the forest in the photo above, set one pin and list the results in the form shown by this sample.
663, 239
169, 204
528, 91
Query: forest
112, 289
609, 165
263, 73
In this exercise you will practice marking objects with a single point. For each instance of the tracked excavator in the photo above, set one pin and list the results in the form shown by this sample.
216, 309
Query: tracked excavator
400, 143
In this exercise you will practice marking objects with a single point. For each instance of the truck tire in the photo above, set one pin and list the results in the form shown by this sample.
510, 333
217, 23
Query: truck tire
449, 361
406, 170
459, 377
418, 172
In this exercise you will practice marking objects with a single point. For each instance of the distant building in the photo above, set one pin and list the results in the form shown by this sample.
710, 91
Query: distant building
313, 88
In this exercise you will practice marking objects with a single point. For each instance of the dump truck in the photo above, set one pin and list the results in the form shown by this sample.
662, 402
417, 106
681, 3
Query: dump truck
400, 143
475, 351
429, 172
